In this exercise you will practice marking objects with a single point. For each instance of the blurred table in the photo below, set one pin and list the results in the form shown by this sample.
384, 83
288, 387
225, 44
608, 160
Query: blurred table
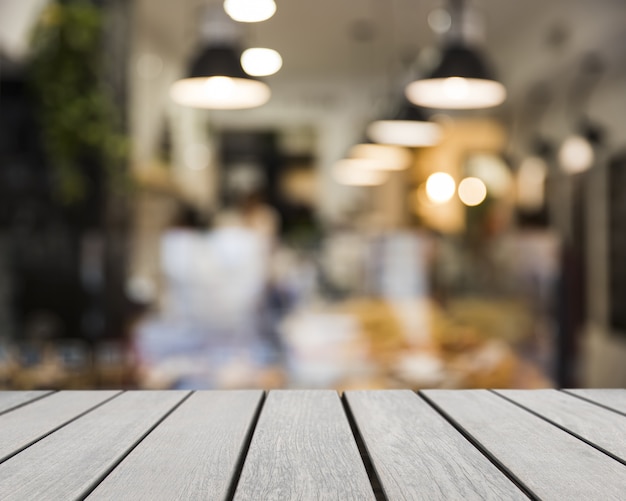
313, 444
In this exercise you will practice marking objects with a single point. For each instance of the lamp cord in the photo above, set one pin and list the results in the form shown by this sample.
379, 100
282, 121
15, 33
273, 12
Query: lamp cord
457, 13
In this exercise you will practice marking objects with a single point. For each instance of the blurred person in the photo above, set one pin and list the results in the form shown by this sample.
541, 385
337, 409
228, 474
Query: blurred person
250, 211
207, 332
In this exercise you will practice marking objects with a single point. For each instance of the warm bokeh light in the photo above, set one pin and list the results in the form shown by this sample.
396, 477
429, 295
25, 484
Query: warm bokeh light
472, 191
531, 177
250, 11
220, 93
359, 172
409, 133
576, 155
261, 62
493, 171
439, 21
440, 187
456, 93
387, 157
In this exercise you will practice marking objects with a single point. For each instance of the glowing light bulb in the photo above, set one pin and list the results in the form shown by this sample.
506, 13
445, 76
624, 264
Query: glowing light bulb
250, 11
472, 191
440, 21
222, 87
260, 62
456, 88
576, 154
359, 172
440, 187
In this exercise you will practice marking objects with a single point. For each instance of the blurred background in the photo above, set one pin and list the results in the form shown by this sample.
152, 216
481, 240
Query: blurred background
382, 194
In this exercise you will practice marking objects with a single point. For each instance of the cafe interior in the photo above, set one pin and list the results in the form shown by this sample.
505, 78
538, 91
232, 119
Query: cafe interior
354, 194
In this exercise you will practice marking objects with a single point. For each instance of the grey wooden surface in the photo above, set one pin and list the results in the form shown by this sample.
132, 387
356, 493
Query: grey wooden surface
550, 462
612, 398
167, 445
68, 463
603, 428
303, 448
417, 454
192, 454
29, 423
12, 399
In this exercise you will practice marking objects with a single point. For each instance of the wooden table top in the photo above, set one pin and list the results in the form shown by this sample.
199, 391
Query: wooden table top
313, 444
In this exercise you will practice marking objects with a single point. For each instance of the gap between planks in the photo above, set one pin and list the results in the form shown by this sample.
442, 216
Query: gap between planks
28, 401
561, 427
245, 448
97, 481
62, 425
375, 483
594, 402
483, 450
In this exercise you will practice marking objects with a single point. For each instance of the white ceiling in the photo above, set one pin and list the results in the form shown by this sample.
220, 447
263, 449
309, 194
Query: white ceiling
319, 49
325, 66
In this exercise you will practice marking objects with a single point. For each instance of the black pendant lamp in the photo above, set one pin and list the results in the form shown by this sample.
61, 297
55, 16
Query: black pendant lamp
217, 81
462, 80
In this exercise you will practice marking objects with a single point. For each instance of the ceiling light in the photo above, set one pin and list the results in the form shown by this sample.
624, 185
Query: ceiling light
250, 11
359, 172
440, 187
576, 154
472, 191
386, 157
217, 81
439, 21
461, 81
493, 171
531, 177
408, 128
260, 62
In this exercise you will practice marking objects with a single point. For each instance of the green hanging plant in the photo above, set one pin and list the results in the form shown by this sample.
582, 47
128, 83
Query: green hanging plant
79, 119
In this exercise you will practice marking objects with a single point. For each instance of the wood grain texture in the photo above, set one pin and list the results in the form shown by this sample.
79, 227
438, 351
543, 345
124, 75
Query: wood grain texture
12, 399
27, 424
612, 398
192, 454
66, 464
550, 462
303, 448
417, 454
603, 428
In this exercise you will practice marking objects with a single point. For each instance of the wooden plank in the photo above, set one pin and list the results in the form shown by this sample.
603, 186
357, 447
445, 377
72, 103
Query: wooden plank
25, 425
417, 454
603, 428
11, 399
612, 398
303, 448
550, 462
193, 454
68, 463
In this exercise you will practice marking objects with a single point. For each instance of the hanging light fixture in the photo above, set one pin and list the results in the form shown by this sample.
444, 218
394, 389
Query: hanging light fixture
578, 151
384, 156
261, 62
462, 80
250, 11
409, 127
216, 79
359, 172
